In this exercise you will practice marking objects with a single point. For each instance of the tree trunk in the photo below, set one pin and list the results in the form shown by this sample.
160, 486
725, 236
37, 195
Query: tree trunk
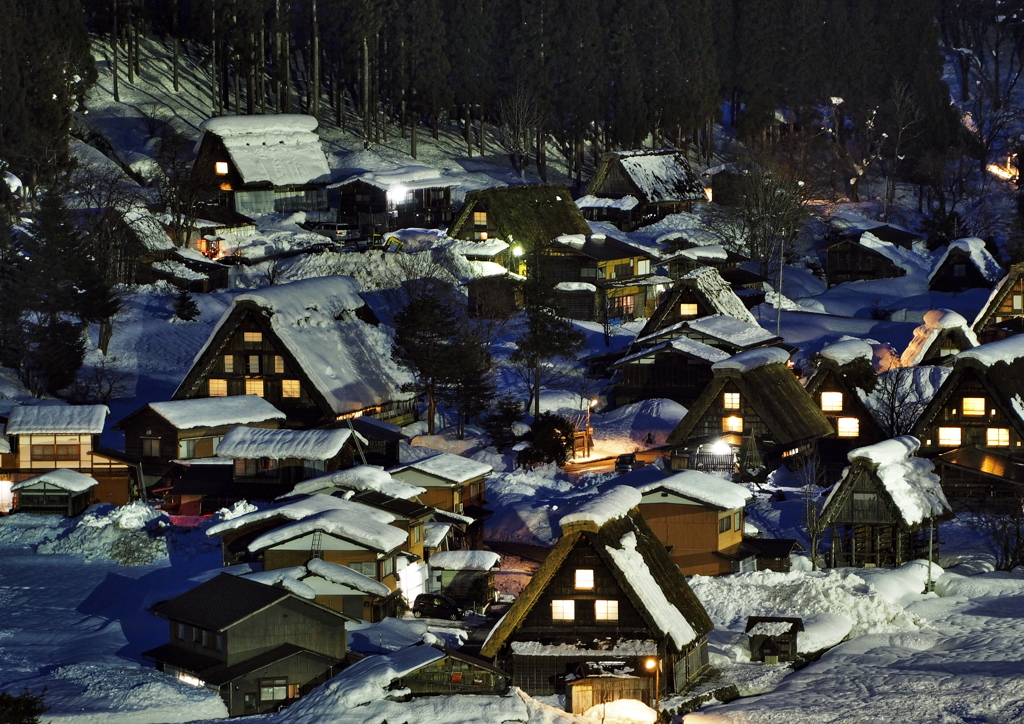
175, 58
286, 89
106, 332
114, 43
135, 47
483, 131
366, 92
431, 411
315, 72
128, 48
467, 110
214, 69
414, 130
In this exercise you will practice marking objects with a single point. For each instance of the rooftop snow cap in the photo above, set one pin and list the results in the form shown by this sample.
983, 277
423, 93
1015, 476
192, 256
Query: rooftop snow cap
612, 505
281, 149
848, 349
700, 486
935, 321
980, 257
49, 419
752, 359
887, 452
1007, 350
70, 480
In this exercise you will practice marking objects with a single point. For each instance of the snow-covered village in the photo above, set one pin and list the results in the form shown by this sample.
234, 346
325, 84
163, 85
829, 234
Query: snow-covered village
511, 362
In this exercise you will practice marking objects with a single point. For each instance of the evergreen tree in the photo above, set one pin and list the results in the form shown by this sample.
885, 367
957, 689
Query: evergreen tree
553, 437
12, 298
628, 113
58, 266
56, 350
505, 412
185, 307
23, 708
469, 384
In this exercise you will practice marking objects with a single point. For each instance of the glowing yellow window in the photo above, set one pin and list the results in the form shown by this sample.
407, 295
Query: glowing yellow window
218, 388
229, 363
278, 364
252, 337
479, 218
606, 610
732, 424
950, 437
731, 401
687, 310
290, 388
563, 610
997, 437
847, 427
974, 406
254, 387
584, 578
832, 401
221, 168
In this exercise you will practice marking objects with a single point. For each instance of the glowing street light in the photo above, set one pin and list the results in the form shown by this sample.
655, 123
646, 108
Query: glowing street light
589, 432
653, 664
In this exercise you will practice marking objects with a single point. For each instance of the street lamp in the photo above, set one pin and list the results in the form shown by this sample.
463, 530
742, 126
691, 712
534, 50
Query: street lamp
589, 432
653, 664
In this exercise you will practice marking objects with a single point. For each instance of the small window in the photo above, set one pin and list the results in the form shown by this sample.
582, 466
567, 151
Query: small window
229, 363
254, 387
179, 631
848, 427
1018, 302
584, 578
563, 610
252, 337
688, 310
273, 690
221, 168
643, 266
290, 388
150, 447
480, 218
732, 423
218, 388
367, 568
737, 520
950, 437
278, 364
974, 406
731, 401
724, 524
606, 610
959, 270
252, 364
417, 533
997, 437
831, 401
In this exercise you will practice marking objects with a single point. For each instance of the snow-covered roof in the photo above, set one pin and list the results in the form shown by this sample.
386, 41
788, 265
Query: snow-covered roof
729, 329
1004, 350
57, 419
611, 505
216, 411
910, 481
465, 560
448, 467
667, 617
281, 149
848, 349
978, 255
487, 247
770, 628
661, 176
575, 287
364, 680
347, 360
400, 180
719, 294
63, 478
909, 261
251, 443
700, 486
147, 228
935, 321
435, 533
711, 251
752, 359
360, 478
680, 344
625, 203
345, 576
299, 509
348, 523
289, 579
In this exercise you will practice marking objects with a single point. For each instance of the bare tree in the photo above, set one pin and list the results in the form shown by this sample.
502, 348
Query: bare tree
901, 114
896, 401
181, 189
519, 121
1005, 532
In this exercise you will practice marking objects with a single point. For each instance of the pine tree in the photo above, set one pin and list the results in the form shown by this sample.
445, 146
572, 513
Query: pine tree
56, 350
469, 383
58, 267
12, 298
628, 111
185, 307
553, 437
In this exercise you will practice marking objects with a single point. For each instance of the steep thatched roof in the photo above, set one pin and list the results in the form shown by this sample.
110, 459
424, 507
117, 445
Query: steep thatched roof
673, 584
656, 176
713, 292
776, 396
854, 375
997, 297
527, 214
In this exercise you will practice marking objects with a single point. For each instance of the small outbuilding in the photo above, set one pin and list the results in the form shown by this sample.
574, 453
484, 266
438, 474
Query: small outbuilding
966, 264
466, 576
773, 639
61, 491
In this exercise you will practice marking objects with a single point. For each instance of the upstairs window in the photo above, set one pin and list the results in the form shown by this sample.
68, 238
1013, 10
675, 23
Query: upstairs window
254, 387
229, 363
959, 270
290, 388
150, 447
974, 407
831, 401
1018, 302
643, 266
606, 610
563, 610
218, 388
732, 424
252, 337
997, 437
688, 310
847, 427
253, 364
54, 452
480, 219
584, 579
725, 524
278, 364
950, 437
220, 168
731, 401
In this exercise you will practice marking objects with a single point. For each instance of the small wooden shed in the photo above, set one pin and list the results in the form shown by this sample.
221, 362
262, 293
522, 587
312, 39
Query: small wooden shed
601, 682
773, 639
62, 491
466, 576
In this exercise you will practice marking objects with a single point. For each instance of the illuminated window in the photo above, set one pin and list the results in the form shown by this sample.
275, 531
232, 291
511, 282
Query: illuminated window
479, 218
606, 610
218, 388
732, 424
832, 401
253, 364
731, 401
254, 387
563, 610
273, 689
290, 388
1018, 302
848, 427
997, 437
221, 168
974, 406
687, 310
584, 578
278, 364
950, 437
252, 337
229, 363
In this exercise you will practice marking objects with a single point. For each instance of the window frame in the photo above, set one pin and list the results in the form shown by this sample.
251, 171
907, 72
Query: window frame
563, 609
846, 431
731, 401
1001, 437
583, 579
216, 387
974, 409
730, 424
610, 612
945, 436
832, 404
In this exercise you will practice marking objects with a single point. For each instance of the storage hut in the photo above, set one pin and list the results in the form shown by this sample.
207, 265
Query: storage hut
773, 639
965, 264
62, 491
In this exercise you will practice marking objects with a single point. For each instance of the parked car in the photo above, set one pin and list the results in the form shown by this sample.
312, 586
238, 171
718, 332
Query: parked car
437, 605
625, 463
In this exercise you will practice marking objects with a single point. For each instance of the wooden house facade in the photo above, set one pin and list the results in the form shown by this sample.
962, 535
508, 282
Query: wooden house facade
264, 164
754, 395
306, 348
966, 264
377, 203
678, 369
883, 512
701, 293
465, 576
660, 183
61, 492
452, 483
260, 647
606, 592
1003, 313
860, 258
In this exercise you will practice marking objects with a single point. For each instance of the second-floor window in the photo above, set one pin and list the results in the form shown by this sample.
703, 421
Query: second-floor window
832, 401
687, 310
229, 363
997, 436
724, 524
220, 168
55, 452
950, 437
731, 400
290, 388
606, 610
366, 568
563, 610
260, 467
150, 447
584, 579
218, 388
732, 423
974, 407
254, 387
847, 427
